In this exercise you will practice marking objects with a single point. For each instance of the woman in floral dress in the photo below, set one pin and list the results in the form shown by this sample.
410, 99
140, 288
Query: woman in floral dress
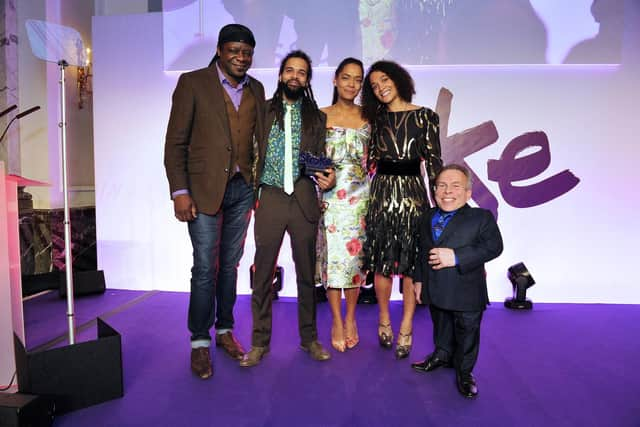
342, 230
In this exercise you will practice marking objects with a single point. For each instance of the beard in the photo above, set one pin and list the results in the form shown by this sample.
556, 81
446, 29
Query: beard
292, 94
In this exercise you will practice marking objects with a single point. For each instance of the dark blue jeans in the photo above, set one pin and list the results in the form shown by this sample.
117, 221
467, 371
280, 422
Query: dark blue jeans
218, 243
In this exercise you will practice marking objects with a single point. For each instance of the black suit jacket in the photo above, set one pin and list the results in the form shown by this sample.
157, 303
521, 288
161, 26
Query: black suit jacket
474, 236
312, 140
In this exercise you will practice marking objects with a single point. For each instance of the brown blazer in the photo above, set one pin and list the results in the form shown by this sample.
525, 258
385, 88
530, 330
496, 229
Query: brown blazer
197, 154
313, 141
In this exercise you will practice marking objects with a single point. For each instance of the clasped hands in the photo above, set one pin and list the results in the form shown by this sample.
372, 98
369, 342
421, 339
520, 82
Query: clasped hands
440, 258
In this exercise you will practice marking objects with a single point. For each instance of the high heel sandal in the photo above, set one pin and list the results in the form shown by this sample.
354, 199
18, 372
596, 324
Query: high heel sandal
403, 350
339, 345
385, 339
351, 341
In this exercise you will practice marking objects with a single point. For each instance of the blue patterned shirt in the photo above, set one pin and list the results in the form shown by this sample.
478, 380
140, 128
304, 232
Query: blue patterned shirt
273, 173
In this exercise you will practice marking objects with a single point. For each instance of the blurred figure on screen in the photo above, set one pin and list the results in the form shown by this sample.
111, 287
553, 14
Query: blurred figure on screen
468, 32
606, 46
342, 232
334, 24
331, 23
216, 116
265, 19
403, 136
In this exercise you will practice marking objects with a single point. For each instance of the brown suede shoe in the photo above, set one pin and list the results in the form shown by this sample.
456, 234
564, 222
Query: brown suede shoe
201, 362
254, 356
316, 351
230, 344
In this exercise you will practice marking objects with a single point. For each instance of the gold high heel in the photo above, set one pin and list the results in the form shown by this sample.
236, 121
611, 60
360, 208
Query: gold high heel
385, 339
403, 350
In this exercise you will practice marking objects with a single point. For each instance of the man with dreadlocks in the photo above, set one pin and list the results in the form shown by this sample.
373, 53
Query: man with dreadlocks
288, 201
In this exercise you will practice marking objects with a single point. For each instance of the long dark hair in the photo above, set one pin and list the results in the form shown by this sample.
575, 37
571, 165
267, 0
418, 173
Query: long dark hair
400, 77
310, 110
344, 63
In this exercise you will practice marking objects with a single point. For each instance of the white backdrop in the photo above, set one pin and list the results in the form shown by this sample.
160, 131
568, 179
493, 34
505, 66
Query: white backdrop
579, 247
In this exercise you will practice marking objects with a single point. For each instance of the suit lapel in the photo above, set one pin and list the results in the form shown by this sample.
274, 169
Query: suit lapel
217, 102
270, 116
449, 230
432, 212
308, 140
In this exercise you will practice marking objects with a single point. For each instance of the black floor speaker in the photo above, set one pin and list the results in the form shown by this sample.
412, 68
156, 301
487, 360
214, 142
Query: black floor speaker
74, 376
25, 410
84, 283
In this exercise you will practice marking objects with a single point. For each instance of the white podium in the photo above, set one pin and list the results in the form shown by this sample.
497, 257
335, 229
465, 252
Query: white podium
11, 317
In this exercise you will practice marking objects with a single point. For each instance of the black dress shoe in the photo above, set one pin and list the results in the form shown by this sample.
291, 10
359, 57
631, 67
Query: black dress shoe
430, 363
467, 385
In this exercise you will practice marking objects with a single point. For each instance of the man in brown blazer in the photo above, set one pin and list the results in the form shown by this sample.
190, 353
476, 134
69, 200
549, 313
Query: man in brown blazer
216, 118
288, 201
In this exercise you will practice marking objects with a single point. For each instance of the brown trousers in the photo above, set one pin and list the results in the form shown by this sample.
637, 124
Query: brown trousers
276, 213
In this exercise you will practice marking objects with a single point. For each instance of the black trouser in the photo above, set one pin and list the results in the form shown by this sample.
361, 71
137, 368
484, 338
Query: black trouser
456, 335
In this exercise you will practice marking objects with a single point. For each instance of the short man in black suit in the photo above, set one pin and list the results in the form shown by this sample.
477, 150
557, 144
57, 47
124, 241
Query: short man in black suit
455, 242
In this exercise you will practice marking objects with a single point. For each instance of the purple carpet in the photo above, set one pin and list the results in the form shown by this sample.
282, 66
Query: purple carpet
558, 365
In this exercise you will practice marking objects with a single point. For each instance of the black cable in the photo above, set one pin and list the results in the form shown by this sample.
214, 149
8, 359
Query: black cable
13, 377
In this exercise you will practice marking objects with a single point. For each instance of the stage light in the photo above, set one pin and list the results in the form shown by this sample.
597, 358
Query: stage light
368, 291
521, 280
278, 279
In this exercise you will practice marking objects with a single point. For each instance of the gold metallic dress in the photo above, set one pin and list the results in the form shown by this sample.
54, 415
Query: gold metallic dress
398, 198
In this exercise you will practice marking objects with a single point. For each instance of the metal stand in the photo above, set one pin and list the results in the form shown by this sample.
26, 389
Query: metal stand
68, 258
63, 46
86, 373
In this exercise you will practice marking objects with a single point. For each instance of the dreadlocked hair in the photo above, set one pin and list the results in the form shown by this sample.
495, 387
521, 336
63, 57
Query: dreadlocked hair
309, 110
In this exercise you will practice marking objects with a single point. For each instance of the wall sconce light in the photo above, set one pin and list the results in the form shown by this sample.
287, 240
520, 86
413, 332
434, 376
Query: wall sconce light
85, 83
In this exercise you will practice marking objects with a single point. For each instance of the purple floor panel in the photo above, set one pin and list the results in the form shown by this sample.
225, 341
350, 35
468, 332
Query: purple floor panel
558, 365
45, 316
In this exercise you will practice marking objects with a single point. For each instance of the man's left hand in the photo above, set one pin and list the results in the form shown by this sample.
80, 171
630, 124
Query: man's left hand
326, 180
440, 258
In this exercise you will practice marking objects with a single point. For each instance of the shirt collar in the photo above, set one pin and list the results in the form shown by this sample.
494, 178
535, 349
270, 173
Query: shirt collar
297, 104
224, 80
443, 213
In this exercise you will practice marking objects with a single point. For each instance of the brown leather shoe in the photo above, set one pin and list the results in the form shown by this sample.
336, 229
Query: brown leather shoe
316, 351
254, 356
230, 344
201, 362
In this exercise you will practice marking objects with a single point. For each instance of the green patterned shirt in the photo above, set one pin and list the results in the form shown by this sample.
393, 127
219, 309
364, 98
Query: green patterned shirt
273, 173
